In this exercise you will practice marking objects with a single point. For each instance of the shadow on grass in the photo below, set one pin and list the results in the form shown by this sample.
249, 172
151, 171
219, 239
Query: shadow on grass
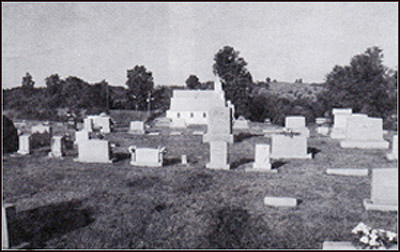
36, 226
242, 136
144, 182
313, 151
196, 183
240, 162
235, 228
120, 156
277, 164
171, 161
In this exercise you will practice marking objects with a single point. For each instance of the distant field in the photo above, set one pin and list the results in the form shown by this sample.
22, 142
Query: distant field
64, 204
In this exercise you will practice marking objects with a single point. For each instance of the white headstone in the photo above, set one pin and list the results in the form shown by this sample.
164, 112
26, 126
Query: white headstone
57, 147
88, 124
149, 157
347, 171
136, 128
339, 124
384, 190
178, 123
198, 133
289, 147
323, 130
261, 160
394, 154
104, 123
94, 151
364, 132
81, 136
280, 201
218, 155
175, 133
184, 159
24, 144
321, 120
297, 124
241, 123
4, 228
153, 133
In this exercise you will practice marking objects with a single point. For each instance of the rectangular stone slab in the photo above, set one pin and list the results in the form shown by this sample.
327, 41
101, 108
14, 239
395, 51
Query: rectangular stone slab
347, 171
280, 201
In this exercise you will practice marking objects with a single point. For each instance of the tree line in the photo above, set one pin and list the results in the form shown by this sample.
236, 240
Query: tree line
365, 85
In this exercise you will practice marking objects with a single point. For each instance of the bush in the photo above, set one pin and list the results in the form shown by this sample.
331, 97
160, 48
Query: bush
10, 136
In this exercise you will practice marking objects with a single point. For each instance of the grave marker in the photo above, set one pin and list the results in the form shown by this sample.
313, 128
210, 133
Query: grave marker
364, 132
94, 151
81, 136
289, 147
280, 201
297, 124
347, 171
394, 154
136, 128
184, 159
241, 123
339, 123
88, 124
57, 147
24, 144
4, 228
261, 160
149, 157
384, 190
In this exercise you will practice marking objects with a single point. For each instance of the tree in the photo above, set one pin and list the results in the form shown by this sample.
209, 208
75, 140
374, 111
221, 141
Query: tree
27, 82
53, 84
192, 82
235, 78
363, 85
140, 86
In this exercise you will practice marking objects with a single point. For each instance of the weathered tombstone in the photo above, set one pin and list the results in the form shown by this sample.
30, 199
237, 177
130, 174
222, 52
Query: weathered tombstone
198, 133
261, 160
24, 145
384, 190
267, 121
289, 147
136, 128
219, 134
320, 120
94, 151
184, 159
153, 134
81, 136
280, 201
150, 157
394, 154
297, 124
241, 123
175, 133
4, 229
88, 124
339, 124
364, 132
40, 128
57, 147
104, 123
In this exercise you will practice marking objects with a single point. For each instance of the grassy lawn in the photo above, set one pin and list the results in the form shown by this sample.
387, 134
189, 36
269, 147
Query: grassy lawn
64, 204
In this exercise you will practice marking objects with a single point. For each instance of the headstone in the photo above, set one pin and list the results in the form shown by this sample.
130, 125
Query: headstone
136, 128
104, 123
394, 154
153, 133
323, 130
94, 151
339, 124
149, 157
219, 134
175, 133
384, 190
364, 132
267, 121
346, 245
81, 136
4, 228
241, 123
57, 147
297, 124
289, 147
178, 123
261, 160
184, 159
88, 124
24, 144
40, 128
347, 171
280, 201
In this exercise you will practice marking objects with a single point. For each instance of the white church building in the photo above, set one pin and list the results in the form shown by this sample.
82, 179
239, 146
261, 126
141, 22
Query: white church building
192, 106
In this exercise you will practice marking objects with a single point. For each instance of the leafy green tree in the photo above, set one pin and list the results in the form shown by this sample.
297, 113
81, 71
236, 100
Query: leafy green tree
235, 78
364, 85
140, 86
27, 82
192, 82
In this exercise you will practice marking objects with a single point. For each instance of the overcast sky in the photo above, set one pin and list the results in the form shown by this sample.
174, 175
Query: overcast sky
283, 41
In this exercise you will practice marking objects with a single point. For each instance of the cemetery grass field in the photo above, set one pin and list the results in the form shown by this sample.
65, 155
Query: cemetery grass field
64, 204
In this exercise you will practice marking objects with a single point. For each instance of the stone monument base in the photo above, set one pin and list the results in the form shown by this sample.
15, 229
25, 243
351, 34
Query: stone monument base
369, 205
136, 132
364, 144
261, 168
391, 157
217, 166
94, 161
307, 156
23, 152
147, 164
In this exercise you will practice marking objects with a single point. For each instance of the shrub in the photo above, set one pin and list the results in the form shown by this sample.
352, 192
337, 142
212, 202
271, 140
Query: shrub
39, 140
10, 136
